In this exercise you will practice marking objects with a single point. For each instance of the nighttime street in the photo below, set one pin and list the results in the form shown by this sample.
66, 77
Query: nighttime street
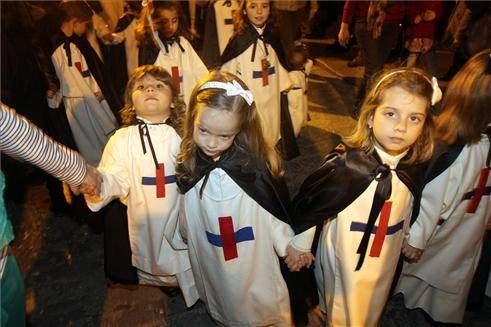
61, 257
140, 147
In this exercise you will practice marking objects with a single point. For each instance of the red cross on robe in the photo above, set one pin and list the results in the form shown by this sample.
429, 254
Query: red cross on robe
176, 78
383, 224
481, 188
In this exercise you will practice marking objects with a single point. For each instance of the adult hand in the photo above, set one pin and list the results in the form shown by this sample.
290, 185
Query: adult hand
344, 35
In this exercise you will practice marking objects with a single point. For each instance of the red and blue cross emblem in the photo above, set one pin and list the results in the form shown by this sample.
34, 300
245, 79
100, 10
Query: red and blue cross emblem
159, 180
228, 238
266, 70
176, 78
381, 231
476, 194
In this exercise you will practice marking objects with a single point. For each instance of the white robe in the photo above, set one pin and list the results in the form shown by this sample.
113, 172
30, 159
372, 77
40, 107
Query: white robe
357, 298
223, 17
190, 67
267, 97
244, 288
125, 169
440, 282
297, 100
91, 121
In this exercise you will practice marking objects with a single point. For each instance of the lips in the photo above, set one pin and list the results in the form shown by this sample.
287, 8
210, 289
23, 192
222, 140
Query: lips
396, 139
151, 98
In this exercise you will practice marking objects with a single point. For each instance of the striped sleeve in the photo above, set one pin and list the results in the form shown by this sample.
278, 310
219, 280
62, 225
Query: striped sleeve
23, 140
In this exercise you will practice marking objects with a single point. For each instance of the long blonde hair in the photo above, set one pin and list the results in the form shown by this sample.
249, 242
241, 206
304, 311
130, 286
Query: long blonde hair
128, 113
466, 107
412, 80
249, 139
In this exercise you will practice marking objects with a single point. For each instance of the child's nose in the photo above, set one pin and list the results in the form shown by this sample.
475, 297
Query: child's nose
259, 10
401, 126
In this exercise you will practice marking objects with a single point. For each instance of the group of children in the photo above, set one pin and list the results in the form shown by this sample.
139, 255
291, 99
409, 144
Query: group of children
210, 212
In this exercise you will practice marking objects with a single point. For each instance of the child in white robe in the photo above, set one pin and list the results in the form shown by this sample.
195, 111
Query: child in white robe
298, 104
455, 205
364, 198
256, 55
233, 215
89, 114
161, 43
138, 166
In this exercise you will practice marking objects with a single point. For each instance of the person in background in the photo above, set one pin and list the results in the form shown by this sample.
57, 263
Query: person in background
24, 141
376, 28
161, 42
447, 236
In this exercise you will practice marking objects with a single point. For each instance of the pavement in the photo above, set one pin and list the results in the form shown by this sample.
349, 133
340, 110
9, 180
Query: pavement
61, 257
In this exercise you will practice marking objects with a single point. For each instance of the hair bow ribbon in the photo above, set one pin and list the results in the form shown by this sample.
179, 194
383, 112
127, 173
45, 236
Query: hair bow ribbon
233, 88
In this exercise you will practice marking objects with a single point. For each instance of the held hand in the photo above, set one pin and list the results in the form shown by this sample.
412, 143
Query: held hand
411, 253
99, 96
417, 19
296, 259
91, 184
343, 35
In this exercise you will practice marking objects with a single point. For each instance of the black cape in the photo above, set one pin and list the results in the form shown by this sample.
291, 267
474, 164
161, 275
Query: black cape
342, 178
95, 65
270, 193
239, 43
148, 52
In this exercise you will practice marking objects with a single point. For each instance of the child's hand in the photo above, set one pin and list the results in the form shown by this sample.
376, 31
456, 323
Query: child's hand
296, 259
91, 185
99, 96
411, 253
417, 19
317, 318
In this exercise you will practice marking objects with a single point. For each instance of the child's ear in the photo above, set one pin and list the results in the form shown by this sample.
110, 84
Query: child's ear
370, 121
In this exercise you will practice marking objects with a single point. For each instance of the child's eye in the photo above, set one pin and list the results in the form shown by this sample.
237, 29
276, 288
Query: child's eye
202, 131
139, 87
389, 114
415, 119
225, 137
159, 86
174, 20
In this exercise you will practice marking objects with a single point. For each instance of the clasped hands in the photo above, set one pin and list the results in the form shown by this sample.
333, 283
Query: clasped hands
296, 259
91, 185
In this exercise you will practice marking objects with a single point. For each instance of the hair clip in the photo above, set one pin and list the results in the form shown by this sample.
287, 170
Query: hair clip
233, 88
436, 95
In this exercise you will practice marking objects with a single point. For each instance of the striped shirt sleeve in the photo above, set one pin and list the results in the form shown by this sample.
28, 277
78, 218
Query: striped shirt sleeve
23, 140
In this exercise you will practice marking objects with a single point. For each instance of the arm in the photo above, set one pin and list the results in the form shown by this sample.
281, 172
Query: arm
22, 139
432, 203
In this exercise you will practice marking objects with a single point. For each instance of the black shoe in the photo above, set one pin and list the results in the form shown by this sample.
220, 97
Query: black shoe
171, 291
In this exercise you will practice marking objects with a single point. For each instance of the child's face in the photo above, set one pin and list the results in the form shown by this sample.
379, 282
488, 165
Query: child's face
80, 27
169, 22
215, 130
152, 99
398, 120
257, 11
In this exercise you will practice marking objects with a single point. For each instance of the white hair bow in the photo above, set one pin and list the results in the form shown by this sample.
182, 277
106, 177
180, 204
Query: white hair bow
436, 96
233, 88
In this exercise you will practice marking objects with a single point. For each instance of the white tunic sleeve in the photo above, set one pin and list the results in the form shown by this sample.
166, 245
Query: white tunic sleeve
432, 202
282, 235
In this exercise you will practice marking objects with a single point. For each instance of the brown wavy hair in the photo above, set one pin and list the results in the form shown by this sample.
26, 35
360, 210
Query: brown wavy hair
241, 21
412, 80
466, 107
128, 113
249, 139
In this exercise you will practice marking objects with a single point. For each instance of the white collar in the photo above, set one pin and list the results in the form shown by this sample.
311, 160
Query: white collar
391, 160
